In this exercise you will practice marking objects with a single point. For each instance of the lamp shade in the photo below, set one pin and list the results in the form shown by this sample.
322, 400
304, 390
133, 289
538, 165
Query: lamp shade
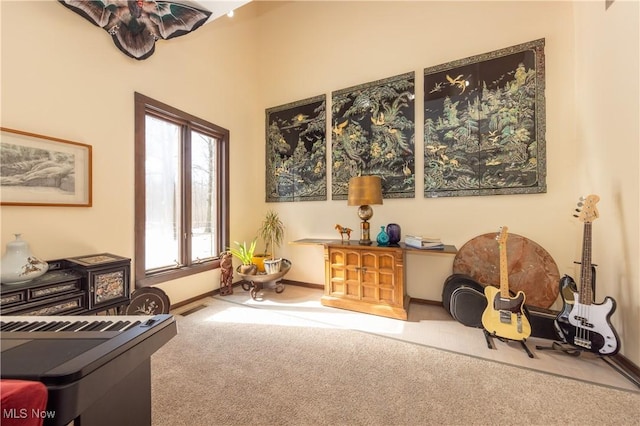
365, 190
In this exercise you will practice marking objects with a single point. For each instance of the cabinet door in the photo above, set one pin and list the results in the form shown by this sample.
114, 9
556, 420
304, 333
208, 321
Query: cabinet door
378, 278
344, 274
108, 287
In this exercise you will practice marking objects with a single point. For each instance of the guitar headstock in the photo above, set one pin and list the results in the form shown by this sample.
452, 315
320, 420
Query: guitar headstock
501, 237
587, 209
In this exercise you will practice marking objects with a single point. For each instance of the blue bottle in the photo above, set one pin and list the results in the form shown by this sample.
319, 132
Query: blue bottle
383, 238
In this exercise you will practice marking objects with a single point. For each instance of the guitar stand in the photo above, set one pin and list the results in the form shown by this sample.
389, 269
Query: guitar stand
488, 336
561, 347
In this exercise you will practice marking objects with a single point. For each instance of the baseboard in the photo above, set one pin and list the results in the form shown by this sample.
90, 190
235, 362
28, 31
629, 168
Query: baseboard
303, 284
201, 296
625, 367
425, 302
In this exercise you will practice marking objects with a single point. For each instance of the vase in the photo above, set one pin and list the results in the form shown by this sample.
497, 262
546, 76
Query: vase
19, 265
393, 231
382, 238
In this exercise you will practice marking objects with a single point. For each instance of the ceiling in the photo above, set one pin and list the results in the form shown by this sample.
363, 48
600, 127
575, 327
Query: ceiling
219, 8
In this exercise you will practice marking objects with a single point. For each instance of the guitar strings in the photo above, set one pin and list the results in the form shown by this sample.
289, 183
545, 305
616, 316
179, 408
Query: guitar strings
585, 295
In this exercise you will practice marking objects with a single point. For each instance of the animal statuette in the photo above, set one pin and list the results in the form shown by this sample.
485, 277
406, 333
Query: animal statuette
344, 231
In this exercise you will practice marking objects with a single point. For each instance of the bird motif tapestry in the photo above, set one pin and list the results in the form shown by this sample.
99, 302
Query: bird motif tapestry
373, 131
484, 124
136, 25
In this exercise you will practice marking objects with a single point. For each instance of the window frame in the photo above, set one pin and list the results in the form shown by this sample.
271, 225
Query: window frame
145, 105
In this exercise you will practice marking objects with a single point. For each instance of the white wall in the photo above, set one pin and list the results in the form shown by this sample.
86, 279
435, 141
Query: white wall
63, 77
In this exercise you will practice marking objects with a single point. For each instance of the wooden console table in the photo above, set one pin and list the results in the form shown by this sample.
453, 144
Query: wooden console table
369, 279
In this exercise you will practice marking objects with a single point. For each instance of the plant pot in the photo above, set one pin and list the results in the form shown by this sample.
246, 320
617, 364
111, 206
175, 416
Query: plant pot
272, 266
258, 260
248, 269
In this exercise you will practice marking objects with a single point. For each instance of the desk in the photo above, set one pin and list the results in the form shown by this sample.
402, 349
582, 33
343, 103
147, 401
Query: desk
369, 279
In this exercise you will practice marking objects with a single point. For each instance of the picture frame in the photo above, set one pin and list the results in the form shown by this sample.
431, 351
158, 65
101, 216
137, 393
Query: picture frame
296, 151
38, 170
484, 124
373, 133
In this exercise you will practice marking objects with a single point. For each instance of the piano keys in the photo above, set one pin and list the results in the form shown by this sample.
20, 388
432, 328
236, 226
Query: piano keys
97, 369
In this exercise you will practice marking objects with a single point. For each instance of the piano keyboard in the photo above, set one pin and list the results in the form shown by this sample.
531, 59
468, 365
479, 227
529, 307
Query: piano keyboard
97, 369
72, 324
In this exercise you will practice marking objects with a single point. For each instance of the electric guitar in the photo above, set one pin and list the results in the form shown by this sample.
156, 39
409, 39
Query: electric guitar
504, 316
583, 323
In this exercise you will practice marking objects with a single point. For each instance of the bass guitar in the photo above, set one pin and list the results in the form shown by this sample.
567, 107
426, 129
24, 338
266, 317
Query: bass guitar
582, 322
504, 316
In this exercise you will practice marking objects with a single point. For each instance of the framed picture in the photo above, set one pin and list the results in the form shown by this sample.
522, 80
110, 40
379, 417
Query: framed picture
41, 170
484, 124
373, 134
296, 157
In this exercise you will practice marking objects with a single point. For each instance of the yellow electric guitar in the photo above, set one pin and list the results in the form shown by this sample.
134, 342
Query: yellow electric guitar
504, 316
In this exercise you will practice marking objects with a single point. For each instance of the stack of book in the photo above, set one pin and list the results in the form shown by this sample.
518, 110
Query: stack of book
426, 243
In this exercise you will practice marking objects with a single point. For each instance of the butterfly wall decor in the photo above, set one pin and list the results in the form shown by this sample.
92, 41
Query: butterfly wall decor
136, 25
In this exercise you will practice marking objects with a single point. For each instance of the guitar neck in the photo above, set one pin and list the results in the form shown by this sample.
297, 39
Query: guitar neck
504, 271
586, 274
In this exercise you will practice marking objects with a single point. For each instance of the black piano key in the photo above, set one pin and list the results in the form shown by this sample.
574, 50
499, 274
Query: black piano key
95, 326
42, 327
133, 324
101, 325
74, 326
33, 326
116, 326
50, 326
22, 325
85, 326
12, 325
60, 325
105, 325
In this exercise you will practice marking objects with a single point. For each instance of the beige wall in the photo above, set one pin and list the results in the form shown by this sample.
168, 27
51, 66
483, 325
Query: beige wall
607, 128
63, 77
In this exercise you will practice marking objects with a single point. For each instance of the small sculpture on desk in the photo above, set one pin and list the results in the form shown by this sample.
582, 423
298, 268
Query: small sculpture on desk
226, 275
344, 231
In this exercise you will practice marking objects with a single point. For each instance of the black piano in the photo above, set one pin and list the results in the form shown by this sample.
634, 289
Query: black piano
97, 368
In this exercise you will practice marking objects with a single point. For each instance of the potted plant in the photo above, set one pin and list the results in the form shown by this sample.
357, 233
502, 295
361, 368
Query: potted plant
245, 256
272, 233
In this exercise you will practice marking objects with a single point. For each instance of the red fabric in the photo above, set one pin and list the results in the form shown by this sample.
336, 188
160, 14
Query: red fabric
23, 403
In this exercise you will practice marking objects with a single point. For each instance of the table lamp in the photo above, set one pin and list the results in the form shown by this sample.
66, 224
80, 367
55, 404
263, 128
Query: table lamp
364, 191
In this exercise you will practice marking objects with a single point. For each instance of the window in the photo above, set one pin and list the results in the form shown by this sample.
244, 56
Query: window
182, 182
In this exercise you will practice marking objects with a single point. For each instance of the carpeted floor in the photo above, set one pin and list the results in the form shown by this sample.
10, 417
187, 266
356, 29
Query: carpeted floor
237, 365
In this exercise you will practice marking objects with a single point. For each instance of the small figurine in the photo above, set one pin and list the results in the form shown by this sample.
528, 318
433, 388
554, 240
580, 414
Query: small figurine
226, 275
344, 231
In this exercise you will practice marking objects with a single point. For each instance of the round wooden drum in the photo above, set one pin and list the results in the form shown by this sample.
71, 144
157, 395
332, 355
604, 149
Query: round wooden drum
531, 268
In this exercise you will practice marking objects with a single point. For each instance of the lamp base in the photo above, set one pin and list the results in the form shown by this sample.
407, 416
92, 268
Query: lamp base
364, 234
